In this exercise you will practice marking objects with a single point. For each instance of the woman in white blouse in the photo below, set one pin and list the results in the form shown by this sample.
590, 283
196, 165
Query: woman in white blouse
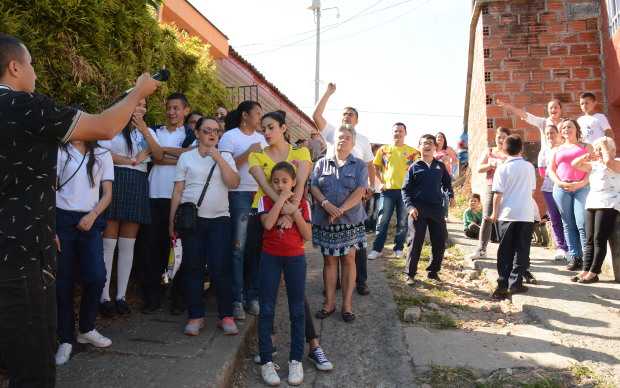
83, 169
210, 241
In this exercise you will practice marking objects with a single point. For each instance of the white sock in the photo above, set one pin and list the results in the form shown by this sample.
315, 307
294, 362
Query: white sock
123, 269
109, 244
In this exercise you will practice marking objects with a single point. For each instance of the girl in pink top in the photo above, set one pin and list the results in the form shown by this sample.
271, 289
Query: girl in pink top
571, 190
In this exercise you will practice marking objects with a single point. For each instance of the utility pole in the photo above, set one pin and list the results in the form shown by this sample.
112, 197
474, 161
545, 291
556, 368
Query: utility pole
316, 7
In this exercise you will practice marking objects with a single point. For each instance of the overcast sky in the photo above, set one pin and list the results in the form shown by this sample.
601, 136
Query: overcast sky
394, 60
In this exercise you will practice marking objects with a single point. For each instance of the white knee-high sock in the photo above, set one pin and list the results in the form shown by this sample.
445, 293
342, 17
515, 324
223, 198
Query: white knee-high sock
109, 245
125, 261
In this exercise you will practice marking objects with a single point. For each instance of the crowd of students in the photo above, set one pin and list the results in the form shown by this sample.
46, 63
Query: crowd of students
580, 188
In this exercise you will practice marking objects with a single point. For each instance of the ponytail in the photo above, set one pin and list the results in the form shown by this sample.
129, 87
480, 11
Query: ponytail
233, 118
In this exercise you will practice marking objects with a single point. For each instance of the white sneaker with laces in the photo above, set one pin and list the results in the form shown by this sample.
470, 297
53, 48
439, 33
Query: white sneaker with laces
269, 374
398, 254
373, 255
94, 338
478, 254
295, 373
63, 354
560, 254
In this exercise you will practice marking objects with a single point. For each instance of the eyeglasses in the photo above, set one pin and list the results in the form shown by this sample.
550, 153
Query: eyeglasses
209, 130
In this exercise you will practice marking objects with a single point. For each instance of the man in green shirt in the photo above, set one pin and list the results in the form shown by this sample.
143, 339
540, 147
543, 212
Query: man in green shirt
472, 218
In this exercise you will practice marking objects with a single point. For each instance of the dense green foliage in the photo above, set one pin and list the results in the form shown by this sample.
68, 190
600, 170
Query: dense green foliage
87, 52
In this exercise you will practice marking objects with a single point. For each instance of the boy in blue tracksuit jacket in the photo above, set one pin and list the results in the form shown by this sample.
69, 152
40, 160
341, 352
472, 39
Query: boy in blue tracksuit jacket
423, 194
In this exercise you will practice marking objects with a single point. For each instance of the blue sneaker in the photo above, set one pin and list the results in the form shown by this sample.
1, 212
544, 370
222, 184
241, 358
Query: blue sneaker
319, 359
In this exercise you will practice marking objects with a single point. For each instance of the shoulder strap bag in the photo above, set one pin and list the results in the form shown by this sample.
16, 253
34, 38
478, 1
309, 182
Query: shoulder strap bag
186, 216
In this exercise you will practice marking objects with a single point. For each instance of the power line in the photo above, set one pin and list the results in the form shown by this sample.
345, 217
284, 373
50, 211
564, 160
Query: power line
397, 113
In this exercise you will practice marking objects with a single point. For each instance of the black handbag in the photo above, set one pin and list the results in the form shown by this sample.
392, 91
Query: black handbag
186, 216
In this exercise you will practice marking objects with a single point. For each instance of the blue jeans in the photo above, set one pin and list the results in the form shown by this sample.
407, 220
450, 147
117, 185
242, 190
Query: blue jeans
208, 245
270, 269
389, 201
86, 250
572, 206
240, 203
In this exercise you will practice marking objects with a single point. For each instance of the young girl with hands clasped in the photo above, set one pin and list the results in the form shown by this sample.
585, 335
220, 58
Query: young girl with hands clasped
282, 252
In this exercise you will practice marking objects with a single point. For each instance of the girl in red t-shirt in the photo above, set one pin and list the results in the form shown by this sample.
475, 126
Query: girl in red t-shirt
282, 252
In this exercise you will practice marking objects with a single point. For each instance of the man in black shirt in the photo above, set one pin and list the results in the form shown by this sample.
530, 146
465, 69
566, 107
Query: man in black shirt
31, 128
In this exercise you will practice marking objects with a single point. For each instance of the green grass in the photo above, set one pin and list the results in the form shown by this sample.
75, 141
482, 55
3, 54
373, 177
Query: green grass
439, 320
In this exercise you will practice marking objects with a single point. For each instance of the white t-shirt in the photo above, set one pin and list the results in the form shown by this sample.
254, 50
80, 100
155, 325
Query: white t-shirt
593, 127
118, 146
361, 150
516, 180
236, 142
76, 194
161, 179
604, 188
194, 170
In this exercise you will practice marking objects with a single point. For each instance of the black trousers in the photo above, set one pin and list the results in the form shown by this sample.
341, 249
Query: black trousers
154, 250
361, 266
433, 219
599, 228
28, 326
513, 254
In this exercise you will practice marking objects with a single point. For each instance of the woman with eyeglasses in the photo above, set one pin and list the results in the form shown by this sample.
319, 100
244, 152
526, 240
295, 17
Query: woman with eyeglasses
209, 242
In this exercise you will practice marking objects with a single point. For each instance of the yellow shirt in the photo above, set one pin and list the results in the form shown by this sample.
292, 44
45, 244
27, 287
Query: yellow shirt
393, 163
263, 160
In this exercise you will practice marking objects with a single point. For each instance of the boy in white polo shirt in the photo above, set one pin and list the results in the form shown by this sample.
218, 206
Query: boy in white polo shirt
593, 125
513, 182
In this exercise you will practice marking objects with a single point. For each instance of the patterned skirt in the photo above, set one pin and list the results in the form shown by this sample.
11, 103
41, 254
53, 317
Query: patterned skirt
338, 239
130, 197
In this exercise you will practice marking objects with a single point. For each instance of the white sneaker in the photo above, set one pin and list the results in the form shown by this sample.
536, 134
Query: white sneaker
63, 354
398, 254
373, 255
269, 374
94, 338
295, 373
560, 254
478, 254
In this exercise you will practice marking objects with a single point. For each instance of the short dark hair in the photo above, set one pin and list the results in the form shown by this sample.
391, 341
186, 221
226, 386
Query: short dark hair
286, 167
503, 130
192, 114
357, 115
513, 144
11, 49
399, 123
428, 136
588, 95
475, 196
178, 96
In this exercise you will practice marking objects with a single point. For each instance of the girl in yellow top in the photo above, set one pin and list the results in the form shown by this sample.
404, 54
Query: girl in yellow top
392, 162
261, 163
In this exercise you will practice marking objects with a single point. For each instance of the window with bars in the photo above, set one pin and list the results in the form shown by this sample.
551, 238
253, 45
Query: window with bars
490, 123
485, 31
484, 10
613, 12
487, 76
489, 100
487, 53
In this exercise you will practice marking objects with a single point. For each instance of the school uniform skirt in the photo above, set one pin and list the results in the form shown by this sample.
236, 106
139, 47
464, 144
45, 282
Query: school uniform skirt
338, 239
130, 196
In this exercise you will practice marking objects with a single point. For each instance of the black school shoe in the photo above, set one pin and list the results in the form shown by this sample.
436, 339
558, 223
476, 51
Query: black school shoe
434, 276
107, 309
363, 290
500, 294
521, 289
122, 308
529, 278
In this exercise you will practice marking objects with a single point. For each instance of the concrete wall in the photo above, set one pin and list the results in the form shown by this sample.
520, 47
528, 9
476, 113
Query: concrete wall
476, 123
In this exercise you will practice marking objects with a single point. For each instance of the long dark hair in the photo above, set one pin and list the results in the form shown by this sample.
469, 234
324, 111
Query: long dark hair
91, 146
233, 118
445, 140
126, 132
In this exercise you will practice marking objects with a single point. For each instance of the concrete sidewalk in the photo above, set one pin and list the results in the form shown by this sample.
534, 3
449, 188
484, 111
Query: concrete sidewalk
151, 351
370, 352
581, 322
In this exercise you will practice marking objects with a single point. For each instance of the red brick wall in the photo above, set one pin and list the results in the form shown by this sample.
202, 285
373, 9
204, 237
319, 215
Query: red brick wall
537, 50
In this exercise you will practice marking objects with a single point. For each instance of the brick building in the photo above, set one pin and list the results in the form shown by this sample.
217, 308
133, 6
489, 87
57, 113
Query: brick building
243, 80
528, 51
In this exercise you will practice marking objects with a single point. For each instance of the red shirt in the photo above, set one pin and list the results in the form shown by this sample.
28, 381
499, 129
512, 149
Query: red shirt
283, 242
